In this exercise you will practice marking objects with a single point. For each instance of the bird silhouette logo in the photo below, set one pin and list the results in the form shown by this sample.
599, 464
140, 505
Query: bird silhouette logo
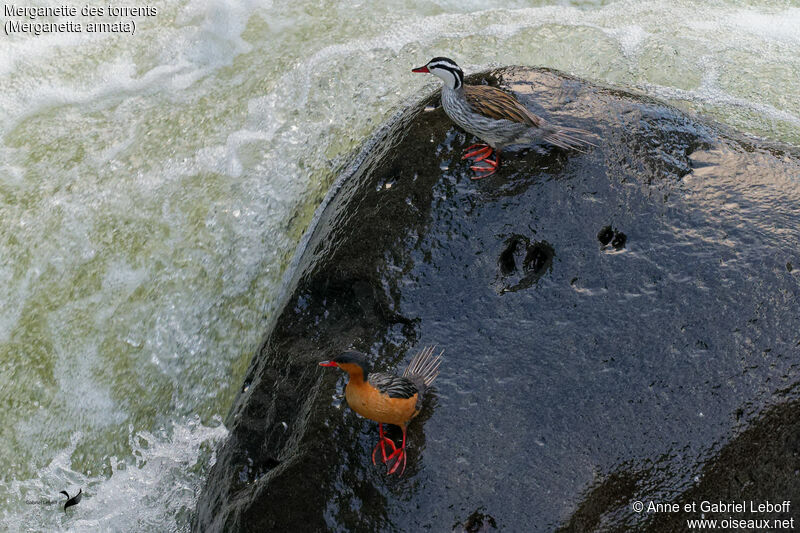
72, 501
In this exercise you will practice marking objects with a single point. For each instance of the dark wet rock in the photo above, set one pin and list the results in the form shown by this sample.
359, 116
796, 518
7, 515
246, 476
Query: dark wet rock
477, 522
609, 235
605, 235
761, 463
606, 377
619, 240
508, 261
534, 258
539, 257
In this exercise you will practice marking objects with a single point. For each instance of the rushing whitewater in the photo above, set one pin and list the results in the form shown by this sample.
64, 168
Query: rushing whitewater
153, 188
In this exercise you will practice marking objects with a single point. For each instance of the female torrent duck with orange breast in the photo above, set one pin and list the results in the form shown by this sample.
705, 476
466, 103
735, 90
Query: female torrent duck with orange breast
387, 398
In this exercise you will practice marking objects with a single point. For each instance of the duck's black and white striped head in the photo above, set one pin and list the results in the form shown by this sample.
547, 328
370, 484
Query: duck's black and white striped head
446, 69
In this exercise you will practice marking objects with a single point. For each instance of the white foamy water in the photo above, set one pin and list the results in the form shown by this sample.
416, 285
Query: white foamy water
153, 188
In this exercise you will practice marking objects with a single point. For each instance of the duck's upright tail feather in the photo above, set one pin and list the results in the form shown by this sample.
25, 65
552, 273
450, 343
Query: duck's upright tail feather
424, 366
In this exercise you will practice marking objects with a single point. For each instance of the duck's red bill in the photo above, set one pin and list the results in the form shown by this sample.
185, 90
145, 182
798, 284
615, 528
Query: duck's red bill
328, 363
421, 69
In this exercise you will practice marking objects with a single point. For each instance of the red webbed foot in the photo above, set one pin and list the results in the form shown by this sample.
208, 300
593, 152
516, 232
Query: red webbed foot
382, 442
489, 170
382, 445
399, 456
483, 151
482, 154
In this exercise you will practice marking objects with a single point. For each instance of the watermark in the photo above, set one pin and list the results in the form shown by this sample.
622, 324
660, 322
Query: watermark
744, 514
74, 500
39, 20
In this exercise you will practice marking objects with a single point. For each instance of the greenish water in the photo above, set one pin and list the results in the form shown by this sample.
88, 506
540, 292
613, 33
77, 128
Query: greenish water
153, 188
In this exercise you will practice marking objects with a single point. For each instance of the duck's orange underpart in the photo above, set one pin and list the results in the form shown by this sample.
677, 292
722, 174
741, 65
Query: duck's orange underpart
370, 403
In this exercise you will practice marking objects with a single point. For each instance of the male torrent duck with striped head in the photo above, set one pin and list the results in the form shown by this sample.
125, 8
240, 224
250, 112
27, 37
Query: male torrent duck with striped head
494, 116
387, 398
